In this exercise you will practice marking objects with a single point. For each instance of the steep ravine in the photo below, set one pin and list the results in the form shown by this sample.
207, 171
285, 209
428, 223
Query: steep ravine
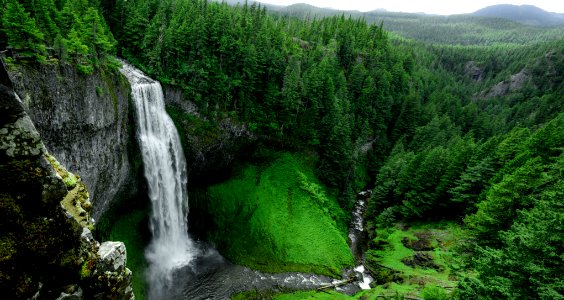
84, 122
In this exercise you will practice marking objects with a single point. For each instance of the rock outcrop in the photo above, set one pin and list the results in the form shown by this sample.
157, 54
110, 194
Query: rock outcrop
515, 83
84, 122
209, 146
473, 71
46, 248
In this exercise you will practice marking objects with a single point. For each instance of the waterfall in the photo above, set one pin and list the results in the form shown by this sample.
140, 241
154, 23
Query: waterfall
165, 171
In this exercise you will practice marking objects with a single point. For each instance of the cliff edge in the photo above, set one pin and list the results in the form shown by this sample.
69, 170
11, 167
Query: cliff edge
46, 248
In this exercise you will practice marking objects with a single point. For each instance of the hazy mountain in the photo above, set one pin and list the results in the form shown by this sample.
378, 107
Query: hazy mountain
526, 14
466, 29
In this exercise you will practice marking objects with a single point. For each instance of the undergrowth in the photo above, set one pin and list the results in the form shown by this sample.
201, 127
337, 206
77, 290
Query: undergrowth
394, 279
276, 217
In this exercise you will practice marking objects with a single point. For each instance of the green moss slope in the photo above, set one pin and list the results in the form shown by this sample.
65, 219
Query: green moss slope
276, 217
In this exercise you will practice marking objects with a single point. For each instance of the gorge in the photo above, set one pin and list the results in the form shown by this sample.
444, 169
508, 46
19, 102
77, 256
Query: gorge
228, 151
178, 267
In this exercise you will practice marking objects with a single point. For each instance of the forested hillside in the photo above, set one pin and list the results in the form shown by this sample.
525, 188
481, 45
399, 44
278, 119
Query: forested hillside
461, 120
67, 31
331, 85
465, 29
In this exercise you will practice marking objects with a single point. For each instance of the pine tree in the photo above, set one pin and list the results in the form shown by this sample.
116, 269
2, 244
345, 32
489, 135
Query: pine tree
23, 33
79, 52
292, 93
498, 210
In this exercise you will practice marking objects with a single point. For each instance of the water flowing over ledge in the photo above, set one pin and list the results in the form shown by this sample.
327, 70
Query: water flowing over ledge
165, 170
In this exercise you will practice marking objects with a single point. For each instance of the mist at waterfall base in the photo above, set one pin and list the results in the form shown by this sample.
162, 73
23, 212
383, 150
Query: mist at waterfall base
165, 170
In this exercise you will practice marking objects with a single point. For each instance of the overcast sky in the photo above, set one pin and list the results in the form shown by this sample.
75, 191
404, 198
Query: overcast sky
443, 7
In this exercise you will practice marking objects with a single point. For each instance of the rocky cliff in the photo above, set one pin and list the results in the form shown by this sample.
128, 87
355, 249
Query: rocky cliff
84, 122
210, 146
46, 248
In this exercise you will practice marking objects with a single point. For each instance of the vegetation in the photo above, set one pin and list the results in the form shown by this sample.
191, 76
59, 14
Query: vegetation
48, 30
291, 222
500, 28
118, 225
465, 123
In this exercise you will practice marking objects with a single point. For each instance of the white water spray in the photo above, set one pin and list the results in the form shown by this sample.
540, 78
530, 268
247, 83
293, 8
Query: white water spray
165, 171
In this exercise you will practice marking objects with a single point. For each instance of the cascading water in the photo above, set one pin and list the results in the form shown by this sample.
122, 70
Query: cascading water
165, 171
199, 273
357, 238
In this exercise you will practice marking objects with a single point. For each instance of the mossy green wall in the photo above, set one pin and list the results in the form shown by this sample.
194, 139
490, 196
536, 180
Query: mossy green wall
276, 217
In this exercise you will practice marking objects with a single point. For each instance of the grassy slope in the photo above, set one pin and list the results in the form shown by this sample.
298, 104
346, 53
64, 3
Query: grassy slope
394, 251
415, 282
268, 221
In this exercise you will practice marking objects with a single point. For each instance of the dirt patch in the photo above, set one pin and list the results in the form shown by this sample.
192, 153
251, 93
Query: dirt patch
422, 243
421, 259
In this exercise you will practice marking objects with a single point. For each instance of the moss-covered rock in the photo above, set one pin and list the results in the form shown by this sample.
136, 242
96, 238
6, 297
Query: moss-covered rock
44, 244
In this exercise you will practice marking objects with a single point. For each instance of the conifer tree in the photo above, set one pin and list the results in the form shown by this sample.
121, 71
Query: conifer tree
23, 33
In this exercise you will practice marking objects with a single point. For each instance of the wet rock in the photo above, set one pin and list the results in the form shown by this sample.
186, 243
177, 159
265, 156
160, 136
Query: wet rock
45, 253
515, 82
209, 147
73, 292
385, 275
111, 279
364, 194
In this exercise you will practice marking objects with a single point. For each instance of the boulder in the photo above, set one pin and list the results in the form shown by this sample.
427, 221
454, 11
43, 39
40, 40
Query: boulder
112, 257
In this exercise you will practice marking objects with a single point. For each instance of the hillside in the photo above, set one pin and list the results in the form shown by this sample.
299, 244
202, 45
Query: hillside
432, 146
449, 30
525, 14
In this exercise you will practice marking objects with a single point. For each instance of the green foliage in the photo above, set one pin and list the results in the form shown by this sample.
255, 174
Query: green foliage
433, 292
514, 192
73, 31
529, 262
69, 178
291, 222
22, 31
392, 249
313, 295
85, 271
431, 29
443, 131
286, 79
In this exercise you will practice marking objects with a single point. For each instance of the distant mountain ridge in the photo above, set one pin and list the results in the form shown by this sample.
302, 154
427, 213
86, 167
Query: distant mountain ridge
526, 14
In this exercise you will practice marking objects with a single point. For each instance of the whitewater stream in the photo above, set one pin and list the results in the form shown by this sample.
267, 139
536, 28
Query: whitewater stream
180, 268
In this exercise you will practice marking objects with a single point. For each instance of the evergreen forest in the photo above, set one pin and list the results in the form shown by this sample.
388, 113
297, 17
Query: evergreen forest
455, 125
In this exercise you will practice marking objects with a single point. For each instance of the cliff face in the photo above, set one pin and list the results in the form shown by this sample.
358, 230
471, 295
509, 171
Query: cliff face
210, 147
46, 248
84, 122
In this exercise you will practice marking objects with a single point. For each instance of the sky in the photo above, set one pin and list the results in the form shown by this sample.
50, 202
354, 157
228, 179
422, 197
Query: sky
441, 7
